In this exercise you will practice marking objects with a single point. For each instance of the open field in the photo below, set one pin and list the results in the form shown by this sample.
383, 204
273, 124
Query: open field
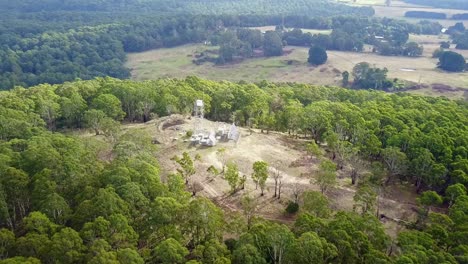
399, 12
296, 167
177, 62
305, 30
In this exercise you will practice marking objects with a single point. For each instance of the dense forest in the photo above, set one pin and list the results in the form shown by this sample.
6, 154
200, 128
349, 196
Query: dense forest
55, 41
296, 7
62, 200
44, 52
75, 187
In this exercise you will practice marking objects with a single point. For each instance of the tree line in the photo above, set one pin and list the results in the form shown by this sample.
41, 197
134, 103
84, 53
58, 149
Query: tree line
310, 8
426, 15
348, 34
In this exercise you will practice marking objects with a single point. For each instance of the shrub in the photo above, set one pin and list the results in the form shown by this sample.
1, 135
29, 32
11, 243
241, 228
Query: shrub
452, 61
292, 207
317, 55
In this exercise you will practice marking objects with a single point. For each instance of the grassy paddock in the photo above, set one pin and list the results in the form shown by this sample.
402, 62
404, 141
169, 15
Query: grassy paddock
177, 62
397, 9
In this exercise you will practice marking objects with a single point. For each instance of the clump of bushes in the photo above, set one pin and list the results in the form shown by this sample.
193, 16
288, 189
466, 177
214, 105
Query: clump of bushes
292, 207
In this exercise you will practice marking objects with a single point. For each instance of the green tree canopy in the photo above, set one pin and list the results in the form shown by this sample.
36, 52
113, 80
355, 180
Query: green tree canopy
317, 55
451, 61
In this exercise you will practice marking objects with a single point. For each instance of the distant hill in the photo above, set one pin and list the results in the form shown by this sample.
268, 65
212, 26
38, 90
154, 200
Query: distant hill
288, 7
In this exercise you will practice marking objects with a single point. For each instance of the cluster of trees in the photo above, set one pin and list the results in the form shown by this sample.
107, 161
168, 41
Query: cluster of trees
368, 77
242, 42
459, 35
392, 41
451, 61
410, 49
390, 37
66, 199
425, 14
317, 55
461, 40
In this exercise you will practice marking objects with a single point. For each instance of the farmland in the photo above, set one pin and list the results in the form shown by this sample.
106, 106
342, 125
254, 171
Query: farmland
397, 9
177, 63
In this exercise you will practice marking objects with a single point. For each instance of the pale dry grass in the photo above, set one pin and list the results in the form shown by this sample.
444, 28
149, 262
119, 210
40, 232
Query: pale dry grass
177, 62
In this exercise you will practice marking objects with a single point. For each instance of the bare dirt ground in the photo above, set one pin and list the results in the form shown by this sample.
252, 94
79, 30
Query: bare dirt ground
296, 169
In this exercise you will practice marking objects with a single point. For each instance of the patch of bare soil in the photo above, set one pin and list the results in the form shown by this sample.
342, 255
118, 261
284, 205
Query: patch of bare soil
282, 153
172, 123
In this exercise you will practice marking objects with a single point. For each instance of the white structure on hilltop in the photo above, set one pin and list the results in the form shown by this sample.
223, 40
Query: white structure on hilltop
207, 134
202, 134
199, 109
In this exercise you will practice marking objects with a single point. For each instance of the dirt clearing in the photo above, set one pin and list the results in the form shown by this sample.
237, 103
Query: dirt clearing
280, 151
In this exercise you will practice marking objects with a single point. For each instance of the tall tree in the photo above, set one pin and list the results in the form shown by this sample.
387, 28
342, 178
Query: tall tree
451, 61
279, 239
94, 119
232, 177
307, 248
454, 191
187, 166
110, 105
170, 251
260, 174
249, 207
326, 176
278, 177
67, 246
316, 204
365, 198
247, 254
203, 221
395, 160
272, 44
317, 55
